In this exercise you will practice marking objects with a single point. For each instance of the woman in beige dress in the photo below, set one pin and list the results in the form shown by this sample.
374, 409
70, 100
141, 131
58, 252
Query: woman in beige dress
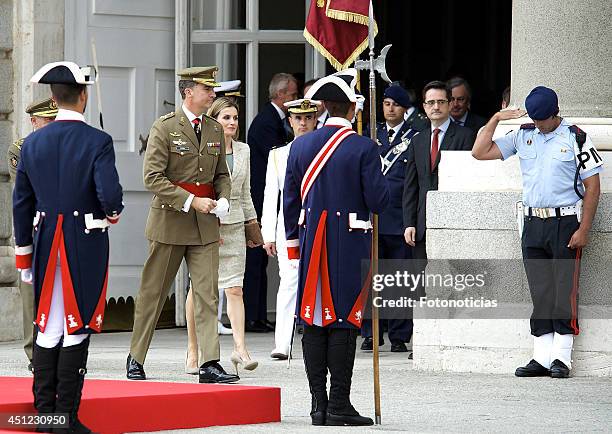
238, 230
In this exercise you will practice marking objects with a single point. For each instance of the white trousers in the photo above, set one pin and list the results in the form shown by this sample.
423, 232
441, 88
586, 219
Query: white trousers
285, 300
56, 323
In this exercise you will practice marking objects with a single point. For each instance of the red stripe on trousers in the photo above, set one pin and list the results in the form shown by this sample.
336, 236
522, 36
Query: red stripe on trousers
574, 293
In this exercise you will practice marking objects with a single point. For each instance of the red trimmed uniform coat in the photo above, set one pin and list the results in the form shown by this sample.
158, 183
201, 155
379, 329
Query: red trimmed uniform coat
331, 247
67, 170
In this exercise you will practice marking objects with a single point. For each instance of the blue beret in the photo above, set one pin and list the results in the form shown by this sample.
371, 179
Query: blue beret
542, 103
399, 95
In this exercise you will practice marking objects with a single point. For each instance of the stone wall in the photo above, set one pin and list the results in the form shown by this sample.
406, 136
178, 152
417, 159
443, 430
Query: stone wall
31, 34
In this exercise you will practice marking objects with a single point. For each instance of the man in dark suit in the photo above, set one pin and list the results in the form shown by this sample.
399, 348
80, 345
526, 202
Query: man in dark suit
422, 163
461, 97
269, 129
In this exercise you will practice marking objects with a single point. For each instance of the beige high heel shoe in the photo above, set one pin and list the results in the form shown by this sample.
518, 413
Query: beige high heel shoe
248, 365
189, 370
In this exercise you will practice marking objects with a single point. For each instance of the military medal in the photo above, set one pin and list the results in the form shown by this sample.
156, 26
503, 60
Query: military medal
179, 145
175, 134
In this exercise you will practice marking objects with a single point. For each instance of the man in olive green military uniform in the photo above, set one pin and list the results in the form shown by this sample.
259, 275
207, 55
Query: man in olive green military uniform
184, 166
41, 113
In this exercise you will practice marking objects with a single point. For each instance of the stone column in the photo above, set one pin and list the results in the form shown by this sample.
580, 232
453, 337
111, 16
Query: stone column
31, 34
567, 46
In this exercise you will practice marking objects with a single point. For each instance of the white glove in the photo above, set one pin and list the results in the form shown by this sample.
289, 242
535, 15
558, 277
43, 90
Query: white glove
222, 208
360, 103
294, 263
26, 275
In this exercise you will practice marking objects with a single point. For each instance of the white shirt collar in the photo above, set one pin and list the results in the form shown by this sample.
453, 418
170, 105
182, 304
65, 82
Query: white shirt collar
190, 115
69, 115
339, 122
395, 128
442, 127
280, 112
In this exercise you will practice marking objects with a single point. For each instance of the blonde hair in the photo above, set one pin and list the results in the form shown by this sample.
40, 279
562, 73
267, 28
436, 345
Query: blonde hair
219, 105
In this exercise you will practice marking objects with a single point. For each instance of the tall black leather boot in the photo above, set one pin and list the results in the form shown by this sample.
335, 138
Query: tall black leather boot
341, 347
44, 366
71, 370
314, 348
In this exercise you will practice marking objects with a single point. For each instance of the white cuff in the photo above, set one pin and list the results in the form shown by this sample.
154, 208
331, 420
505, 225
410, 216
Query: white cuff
187, 204
222, 208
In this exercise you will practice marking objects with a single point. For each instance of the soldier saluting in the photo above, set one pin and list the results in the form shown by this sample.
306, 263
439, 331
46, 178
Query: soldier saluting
185, 167
560, 169
67, 185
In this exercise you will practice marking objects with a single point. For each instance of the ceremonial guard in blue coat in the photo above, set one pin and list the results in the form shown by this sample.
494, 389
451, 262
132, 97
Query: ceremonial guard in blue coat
68, 189
333, 184
561, 187
393, 137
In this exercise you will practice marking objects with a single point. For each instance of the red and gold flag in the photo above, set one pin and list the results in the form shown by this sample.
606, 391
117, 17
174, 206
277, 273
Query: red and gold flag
338, 29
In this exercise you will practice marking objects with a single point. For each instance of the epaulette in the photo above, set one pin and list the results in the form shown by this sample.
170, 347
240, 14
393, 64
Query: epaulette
18, 143
580, 135
167, 116
528, 127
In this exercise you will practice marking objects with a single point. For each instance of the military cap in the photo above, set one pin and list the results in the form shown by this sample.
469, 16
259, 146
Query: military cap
542, 103
398, 94
339, 87
300, 106
64, 73
229, 88
43, 109
200, 74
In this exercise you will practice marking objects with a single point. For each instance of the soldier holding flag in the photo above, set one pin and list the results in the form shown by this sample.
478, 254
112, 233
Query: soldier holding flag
332, 185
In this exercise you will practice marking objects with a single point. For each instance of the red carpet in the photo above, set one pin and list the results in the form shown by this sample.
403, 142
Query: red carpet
111, 406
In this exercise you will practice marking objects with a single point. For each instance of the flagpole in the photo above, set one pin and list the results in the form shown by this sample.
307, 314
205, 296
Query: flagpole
375, 325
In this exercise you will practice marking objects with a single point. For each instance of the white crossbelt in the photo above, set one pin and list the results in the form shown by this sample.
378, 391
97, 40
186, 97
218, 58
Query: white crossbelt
545, 213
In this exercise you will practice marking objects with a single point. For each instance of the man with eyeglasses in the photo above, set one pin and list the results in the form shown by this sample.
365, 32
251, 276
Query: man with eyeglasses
422, 163
460, 110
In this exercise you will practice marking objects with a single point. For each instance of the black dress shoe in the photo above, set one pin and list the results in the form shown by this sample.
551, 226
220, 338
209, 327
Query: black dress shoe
398, 347
255, 327
269, 325
558, 369
411, 356
318, 418
216, 374
532, 369
368, 344
347, 417
135, 371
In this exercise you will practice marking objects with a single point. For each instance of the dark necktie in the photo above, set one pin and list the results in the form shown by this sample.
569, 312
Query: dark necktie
458, 122
390, 133
197, 127
434, 148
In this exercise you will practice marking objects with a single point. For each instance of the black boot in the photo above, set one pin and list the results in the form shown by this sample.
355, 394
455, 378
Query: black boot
44, 362
71, 370
340, 360
314, 348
